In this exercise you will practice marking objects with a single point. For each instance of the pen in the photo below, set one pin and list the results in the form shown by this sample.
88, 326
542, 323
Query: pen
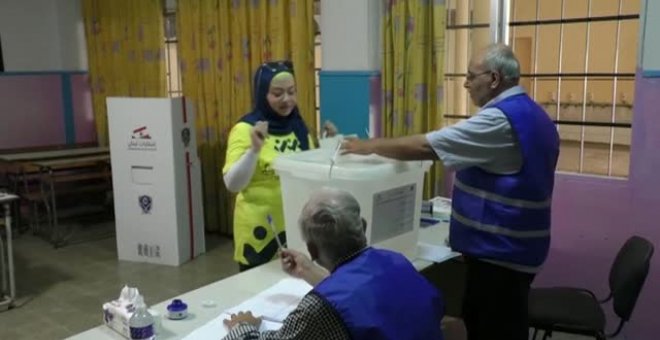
272, 228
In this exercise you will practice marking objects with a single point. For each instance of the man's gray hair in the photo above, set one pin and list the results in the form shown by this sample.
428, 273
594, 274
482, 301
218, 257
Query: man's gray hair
331, 220
500, 58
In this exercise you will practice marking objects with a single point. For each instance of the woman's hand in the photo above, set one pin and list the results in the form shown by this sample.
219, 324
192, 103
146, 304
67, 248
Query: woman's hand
329, 129
258, 135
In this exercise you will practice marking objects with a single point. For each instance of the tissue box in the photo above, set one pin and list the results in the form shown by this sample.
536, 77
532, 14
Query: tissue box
116, 315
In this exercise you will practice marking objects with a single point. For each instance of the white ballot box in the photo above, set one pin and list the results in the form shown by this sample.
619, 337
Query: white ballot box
389, 193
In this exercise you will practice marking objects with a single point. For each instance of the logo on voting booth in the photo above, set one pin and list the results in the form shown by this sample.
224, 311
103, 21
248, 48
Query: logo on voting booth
145, 203
141, 140
185, 136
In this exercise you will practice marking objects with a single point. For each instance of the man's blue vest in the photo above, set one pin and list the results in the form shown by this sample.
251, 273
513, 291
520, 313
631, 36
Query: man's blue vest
379, 295
506, 218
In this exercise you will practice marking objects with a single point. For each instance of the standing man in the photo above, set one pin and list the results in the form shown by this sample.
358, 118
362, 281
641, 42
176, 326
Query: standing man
505, 157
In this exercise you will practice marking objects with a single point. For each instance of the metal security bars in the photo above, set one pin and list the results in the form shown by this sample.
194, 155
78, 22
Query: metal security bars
174, 88
577, 60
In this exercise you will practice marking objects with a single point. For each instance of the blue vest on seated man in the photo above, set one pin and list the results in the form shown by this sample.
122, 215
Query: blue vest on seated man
506, 218
380, 295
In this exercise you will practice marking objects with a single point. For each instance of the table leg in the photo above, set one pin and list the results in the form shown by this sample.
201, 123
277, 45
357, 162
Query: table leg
56, 230
10, 252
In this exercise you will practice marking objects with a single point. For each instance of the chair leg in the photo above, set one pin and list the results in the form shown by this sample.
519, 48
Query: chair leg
34, 217
547, 334
536, 331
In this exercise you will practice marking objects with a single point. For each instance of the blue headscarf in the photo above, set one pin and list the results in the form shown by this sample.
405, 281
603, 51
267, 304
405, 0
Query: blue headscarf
277, 125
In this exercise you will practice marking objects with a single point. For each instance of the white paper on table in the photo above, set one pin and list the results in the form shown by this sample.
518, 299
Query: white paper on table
216, 329
433, 253
441, 206
276, 302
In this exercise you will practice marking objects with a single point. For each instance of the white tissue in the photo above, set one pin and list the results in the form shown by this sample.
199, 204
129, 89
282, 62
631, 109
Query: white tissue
129, 294
116, 313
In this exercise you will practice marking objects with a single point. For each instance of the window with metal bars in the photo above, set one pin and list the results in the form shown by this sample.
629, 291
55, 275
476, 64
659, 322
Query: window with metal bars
174, 88
2, 63
577, 60
467, 30
317, 69
317, 62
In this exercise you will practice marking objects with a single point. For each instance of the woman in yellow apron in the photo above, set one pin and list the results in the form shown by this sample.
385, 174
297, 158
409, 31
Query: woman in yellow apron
273, 128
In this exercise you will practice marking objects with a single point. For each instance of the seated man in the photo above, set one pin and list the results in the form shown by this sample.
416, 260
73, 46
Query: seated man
365, 293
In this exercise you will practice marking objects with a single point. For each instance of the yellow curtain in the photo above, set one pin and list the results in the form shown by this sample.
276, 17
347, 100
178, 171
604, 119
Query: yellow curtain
413, 73
125, 42
221, 43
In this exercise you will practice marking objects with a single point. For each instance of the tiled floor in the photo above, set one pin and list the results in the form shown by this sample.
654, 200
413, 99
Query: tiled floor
62, 290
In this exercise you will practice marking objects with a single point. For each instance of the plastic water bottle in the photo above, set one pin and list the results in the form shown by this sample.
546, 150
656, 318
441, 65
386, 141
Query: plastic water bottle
141, 323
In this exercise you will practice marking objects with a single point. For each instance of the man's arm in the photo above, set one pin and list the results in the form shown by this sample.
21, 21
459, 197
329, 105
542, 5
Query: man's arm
409, 148
485, 140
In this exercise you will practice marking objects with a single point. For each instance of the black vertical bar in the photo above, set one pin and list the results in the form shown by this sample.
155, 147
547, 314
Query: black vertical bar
2, 63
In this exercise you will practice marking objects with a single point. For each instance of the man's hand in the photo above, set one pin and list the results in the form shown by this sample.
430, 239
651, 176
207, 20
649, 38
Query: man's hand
242, 317
295, 263
453, 328
356, 146
300, 266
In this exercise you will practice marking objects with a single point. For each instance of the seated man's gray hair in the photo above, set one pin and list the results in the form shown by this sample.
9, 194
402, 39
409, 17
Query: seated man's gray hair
500, 58
331, 220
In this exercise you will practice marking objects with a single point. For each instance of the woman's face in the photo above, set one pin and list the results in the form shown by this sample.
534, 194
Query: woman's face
282, 94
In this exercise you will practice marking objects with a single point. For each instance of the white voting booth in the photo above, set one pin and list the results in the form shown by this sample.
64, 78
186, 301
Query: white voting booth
156, 179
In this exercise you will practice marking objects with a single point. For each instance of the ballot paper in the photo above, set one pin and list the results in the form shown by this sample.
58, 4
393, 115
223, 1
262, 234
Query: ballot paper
434, 253
273, 305
276, 302
216, 329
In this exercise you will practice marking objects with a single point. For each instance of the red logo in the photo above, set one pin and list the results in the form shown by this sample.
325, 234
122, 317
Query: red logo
141, 133
141, 140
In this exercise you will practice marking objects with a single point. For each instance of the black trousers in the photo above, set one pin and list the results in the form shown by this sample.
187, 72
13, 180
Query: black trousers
244, 267
495, 302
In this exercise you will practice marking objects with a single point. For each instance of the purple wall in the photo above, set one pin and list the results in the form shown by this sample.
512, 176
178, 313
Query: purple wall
83, 113
32, 110
593, 216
